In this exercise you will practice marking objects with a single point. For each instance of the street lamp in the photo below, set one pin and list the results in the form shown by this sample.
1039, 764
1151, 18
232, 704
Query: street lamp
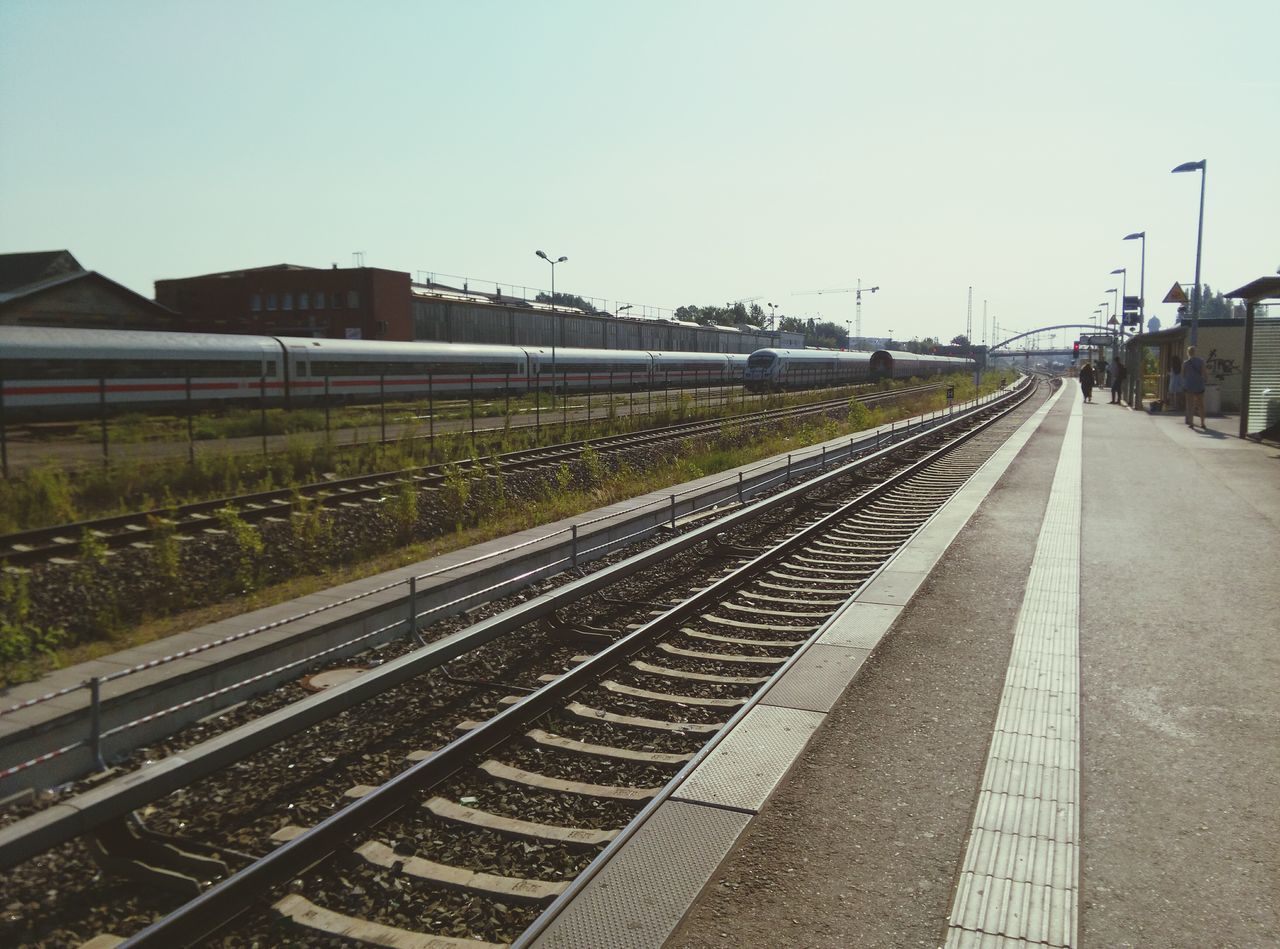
1195, 297
558, 260
1142, 278
773, 316
1124, 292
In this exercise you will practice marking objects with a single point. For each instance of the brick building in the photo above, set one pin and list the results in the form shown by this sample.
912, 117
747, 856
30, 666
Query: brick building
289, 300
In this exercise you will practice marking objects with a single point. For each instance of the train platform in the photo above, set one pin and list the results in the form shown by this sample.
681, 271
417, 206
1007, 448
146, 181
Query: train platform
1051, 721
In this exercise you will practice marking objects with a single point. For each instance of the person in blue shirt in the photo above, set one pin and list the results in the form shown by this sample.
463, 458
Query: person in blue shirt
1193, 386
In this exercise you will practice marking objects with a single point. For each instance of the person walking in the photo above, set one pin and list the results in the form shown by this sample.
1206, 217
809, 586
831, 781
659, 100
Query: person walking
1086, 381
1118, 372
1193, 386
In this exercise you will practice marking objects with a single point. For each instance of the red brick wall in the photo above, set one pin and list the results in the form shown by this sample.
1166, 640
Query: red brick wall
271, 303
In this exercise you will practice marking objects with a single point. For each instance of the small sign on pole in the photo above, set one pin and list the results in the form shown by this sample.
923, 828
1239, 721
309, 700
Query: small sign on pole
1176, 295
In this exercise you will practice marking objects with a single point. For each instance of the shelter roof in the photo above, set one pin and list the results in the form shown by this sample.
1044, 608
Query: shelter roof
1264, 288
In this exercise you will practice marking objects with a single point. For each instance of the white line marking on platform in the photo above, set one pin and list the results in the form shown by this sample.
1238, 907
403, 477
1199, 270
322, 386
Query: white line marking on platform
1019, 885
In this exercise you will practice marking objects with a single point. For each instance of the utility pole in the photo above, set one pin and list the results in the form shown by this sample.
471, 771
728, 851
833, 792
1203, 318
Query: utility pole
984, 322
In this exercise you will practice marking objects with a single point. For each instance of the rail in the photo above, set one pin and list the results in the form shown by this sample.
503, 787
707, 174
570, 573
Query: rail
796, 462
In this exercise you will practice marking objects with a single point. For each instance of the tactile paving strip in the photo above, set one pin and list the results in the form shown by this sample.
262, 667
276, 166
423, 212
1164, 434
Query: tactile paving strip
641, 894
1019, 885
747, 765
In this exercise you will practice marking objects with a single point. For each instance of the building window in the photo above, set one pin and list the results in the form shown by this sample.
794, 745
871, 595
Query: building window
271, 301
255, 302
288, 301
304, 301
353, 299
319, 299
336, 300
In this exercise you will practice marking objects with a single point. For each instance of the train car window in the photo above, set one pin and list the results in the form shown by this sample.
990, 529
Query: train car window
760, 360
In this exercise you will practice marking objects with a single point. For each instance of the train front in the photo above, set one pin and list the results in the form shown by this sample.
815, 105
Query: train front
761, 373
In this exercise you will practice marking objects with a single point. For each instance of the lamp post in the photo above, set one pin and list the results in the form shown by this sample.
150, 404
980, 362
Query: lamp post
1142, 278
558, 260
1124, 292
773, 316
1195, 296
1120, 324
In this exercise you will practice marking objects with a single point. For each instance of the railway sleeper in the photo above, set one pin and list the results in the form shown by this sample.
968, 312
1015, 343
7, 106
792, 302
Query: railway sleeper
754, 610
633, 692
514, 827
542, 782
303, 913
125, 848
738, 641
636, 721
652, 669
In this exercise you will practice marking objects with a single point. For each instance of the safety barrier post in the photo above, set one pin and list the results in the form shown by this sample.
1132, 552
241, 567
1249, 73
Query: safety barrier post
788, 466
102, 412
262, 411
413, 610
673, 512
95, 722
574, 548
191, 435
739, 487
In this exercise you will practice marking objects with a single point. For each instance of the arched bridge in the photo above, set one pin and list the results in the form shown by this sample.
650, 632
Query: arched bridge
1092, 328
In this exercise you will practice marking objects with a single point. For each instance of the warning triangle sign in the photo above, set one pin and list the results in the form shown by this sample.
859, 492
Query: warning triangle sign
1176, 295
1112, 321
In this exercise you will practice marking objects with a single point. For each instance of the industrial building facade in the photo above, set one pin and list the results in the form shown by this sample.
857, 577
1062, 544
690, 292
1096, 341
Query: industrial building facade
371, 303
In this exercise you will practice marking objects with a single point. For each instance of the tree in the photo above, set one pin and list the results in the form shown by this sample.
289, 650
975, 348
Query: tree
1213, 306
961, 340
566, 299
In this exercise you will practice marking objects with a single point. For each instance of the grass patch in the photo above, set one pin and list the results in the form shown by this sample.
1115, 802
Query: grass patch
567, 497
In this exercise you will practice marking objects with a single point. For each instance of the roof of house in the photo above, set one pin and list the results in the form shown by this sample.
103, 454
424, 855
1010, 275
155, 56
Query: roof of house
32, 290
35, 267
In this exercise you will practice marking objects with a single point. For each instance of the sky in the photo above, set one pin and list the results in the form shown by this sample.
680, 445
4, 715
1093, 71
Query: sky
676, 152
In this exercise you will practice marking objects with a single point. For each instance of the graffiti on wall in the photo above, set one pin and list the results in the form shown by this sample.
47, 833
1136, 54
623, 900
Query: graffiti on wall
1218, 367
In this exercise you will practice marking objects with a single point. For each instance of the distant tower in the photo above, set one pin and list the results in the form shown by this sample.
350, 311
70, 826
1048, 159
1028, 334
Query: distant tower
968, 320
984, 322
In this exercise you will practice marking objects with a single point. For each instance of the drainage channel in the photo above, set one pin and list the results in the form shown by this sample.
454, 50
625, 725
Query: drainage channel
476, 838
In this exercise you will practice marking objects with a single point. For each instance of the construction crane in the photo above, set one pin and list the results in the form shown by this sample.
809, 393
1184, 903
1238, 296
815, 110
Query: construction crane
859, 290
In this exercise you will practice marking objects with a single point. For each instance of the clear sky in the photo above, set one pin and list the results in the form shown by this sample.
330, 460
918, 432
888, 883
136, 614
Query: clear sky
676, 152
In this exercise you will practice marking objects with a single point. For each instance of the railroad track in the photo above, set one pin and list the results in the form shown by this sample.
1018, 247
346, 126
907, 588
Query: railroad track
64, 541
647, 661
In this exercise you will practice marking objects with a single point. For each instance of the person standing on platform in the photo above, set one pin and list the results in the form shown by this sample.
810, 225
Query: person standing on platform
1086, 381
1193, 386
1118, 373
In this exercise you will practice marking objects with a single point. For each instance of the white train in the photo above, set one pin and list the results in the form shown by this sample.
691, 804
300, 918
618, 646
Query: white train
769, 369
52, 372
